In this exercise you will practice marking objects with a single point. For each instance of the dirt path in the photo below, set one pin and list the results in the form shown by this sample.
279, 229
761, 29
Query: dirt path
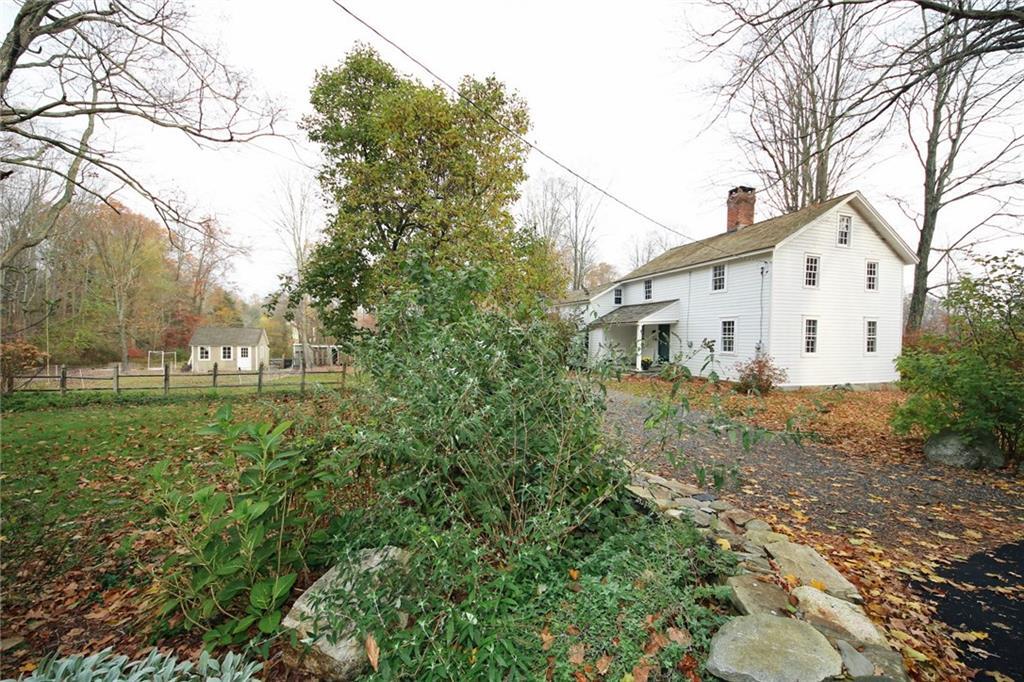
889, 525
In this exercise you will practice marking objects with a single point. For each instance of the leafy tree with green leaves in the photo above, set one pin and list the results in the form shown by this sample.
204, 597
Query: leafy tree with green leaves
973, 381
410, 168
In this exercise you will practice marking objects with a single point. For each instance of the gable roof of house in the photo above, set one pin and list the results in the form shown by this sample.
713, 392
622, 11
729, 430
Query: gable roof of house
226, 336
763, 235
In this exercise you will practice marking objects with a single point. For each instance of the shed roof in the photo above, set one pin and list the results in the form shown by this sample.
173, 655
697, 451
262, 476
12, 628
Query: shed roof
756, 237
629, 314
226, 336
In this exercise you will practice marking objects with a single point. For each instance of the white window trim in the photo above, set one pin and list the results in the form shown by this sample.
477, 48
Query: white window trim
617, 293
817, 336
864, 338
878, 275
243, 352
803, 273
649, 293
725, 279
721, 335
849, 234
201, 349
230, 351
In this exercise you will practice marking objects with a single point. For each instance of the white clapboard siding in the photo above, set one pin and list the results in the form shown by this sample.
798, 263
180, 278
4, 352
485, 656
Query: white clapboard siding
841, 303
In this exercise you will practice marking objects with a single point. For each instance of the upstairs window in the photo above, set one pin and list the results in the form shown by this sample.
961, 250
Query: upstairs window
618, 296
648, 289
845, 225
871, 276
728, 336
871, 336
812, 268
718, 278
810, 336
225, 352
204, 352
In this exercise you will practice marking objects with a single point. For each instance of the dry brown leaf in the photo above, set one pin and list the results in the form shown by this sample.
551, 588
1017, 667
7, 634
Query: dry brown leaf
576, 653
372, 652
641, 672
604, 664
546, 639
680, 636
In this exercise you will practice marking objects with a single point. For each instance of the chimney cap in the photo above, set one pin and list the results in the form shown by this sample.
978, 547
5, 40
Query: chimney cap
741, 189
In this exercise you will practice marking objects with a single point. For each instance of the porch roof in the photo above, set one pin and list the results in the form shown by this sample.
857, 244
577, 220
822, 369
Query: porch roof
631, 314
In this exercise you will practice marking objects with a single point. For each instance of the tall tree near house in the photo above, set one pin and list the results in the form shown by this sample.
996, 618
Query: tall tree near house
543, 210
202, 257
66, 65
790, 91
956, 112
298, 221
409, 169
580, 235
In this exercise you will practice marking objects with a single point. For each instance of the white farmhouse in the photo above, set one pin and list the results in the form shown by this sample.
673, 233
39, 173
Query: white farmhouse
819, 290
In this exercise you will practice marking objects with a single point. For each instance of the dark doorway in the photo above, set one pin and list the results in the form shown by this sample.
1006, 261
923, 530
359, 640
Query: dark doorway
664, 332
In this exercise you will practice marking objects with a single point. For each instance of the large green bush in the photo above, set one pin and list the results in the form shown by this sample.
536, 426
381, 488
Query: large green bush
972, 381
493, 475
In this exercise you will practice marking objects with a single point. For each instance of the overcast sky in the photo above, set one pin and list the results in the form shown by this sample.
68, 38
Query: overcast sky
610, 88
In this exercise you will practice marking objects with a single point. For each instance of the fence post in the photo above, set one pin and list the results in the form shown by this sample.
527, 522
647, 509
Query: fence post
167, 378
215, 375
259, 379
63, 380
344, 371
117, 378
302, 382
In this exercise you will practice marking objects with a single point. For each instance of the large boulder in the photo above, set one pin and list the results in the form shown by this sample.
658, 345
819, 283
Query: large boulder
344, 658
810, 568
766, 648
953, 449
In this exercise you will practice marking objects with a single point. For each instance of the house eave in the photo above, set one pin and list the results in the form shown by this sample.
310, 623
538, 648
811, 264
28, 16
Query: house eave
694, 266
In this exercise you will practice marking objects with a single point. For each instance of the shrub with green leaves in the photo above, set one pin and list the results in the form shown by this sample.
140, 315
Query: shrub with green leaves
239, 546
493, 469
972, 381
156, 667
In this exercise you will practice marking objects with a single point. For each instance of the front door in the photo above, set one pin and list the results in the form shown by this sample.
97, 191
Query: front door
664, 331
244, 359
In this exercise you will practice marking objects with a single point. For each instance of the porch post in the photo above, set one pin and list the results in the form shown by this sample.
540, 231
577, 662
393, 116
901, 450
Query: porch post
639, 347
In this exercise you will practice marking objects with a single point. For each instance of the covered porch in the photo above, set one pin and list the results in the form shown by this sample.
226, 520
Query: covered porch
640, 331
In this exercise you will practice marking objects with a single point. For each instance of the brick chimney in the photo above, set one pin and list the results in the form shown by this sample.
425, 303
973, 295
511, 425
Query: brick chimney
740, 205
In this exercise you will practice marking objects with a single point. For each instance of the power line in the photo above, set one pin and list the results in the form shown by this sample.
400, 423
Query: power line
522, 139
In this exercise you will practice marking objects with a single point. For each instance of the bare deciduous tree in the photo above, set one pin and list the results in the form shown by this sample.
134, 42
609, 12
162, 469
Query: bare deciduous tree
963, 103
580, 235
298, 222
66, 63
794, 132
649, 246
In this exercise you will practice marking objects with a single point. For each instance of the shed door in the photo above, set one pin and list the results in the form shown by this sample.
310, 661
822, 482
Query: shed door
244, 358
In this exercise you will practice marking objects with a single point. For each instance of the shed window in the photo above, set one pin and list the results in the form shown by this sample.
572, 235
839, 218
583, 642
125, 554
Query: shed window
204, 352
812, 267
243, 352
225, 352
718, 278
845, 225
871, 336
618, 296
810, 336
871, 274
648, 289
728, 336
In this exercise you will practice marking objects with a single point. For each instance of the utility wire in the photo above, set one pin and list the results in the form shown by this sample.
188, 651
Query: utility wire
522, 139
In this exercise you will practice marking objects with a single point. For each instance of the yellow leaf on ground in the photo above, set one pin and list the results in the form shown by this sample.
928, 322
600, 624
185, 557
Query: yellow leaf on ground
972, 636
914, 654
817, 584
723, 543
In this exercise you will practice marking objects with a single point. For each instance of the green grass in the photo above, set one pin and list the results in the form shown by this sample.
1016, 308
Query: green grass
74, 485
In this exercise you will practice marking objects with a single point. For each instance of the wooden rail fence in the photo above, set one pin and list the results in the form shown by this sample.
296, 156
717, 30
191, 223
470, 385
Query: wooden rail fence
44, 382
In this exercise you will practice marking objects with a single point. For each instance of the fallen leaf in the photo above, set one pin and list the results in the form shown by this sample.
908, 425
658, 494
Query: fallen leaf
680, 636
372, 652
972, 636
576, 653
603, 664
574, 574
546, 639
640, 672
817, 584
655, 644
723, 543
